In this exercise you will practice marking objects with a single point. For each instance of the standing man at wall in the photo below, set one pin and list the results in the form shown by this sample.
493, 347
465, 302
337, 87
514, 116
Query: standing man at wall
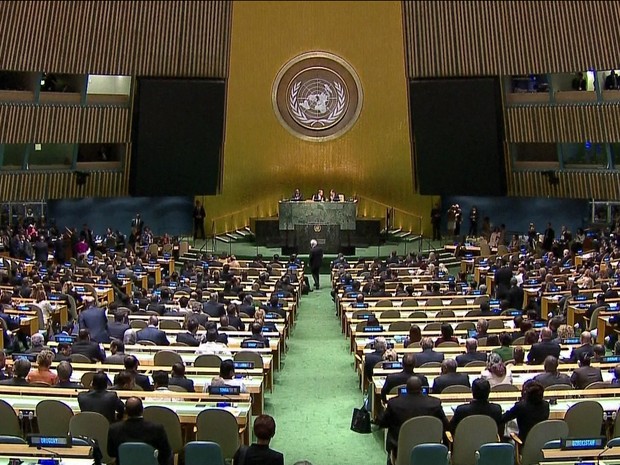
199, 220
315, 261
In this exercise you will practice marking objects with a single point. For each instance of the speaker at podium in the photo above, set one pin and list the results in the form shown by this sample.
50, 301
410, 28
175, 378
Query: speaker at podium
326, 235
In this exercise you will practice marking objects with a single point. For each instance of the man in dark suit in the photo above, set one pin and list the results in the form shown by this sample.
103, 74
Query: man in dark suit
212, 307
178, 378
600, 302
551, 375
65, 370
608, 291
137, 224
502, 281
396, 379
403, 407
153, 333
449, 377
137, 429
86, 347
117, 351
315, 260
544, 348
95, 321
21, 368
371, 359
131, 365
117, 328
427, 354
585, 347
515, 295
247, 306
101, 400
471, 354
585, 374
189, 337
480, 390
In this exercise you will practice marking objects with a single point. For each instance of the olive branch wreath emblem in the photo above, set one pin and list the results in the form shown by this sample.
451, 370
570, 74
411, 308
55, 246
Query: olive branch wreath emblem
331, 118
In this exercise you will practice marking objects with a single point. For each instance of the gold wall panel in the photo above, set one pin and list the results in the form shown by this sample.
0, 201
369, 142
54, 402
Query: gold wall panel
563, 123
263, 162
139, 38
464, 38
28, 123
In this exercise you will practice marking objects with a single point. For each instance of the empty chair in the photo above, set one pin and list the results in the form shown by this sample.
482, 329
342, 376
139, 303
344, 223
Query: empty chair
584, 419
426, 454
169, 324
400, 326
176, 388
558, 387
12, 440
433, 326
496, 324
53, 417
519, 341
481, 298
445, 314
389, 314
431, 365
416, 431
599, 385
471, 433
219, 426
167, 358
171, 423
87, 379
208, 360
539, 435
137, 453
146, 342
203, 453
361, 314
384, 303
409, 303
456, 389
247, 356
359, 327
448, 344
496, 454
9, 424
458, 301
92, 425
138, 324
434, 303
473, 313
418, 315
80, 358
465, 326
505, 388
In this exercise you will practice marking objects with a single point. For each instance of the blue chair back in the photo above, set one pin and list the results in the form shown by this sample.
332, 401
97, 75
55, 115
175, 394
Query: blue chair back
496, 454
203, 453
615, 442
4, 439
136, 453
425, 454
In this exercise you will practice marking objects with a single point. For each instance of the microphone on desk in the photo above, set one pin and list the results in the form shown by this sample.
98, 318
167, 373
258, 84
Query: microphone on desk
55, 454
598, 457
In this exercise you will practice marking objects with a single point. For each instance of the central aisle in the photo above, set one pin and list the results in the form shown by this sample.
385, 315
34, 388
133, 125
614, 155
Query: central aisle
316, 392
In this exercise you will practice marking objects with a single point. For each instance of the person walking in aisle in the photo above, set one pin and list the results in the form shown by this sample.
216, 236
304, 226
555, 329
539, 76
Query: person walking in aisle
315, 261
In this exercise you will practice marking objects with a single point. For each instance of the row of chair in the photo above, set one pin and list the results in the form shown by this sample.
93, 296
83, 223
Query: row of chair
582, 420
55, 418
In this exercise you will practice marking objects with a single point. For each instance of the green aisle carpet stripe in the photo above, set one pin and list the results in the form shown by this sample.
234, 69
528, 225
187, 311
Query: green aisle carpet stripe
316, 392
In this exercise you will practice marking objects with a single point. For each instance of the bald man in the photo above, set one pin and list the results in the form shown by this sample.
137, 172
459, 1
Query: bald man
403, 407
541, 350
585, 347
136, 429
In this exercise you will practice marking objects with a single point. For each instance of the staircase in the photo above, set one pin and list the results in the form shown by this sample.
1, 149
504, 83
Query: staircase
237, 235
400, 235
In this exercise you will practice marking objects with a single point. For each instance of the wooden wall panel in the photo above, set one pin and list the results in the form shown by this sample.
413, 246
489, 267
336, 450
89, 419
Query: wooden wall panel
138, 38
574, 184
563, 123
29, 123
458, 38
35, 185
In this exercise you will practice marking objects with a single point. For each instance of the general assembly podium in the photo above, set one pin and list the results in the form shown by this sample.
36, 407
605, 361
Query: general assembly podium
334, 225
323, 221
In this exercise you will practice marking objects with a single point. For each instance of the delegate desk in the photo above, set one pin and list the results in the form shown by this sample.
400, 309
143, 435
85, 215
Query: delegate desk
25, 399
75, 455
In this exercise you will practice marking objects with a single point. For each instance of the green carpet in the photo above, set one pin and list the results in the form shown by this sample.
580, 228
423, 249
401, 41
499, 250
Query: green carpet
316, 392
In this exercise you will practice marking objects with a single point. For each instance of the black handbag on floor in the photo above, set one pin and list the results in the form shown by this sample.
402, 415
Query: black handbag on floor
360, 422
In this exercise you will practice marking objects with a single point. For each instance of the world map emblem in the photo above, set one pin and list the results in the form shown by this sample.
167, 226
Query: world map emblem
317, 96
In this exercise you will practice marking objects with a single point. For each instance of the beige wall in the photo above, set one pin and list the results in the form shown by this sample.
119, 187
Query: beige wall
263, 162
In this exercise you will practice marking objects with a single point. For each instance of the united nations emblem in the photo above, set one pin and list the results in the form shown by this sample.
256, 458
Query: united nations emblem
317, 96
317, 228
